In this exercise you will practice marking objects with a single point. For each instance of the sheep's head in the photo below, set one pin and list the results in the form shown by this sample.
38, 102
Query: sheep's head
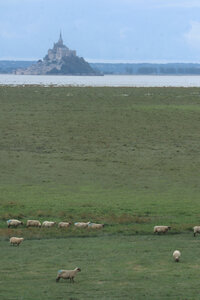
177, 259
78, 269
169, 227
22, 223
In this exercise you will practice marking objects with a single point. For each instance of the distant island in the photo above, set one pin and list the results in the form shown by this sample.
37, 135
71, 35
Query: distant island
60, 60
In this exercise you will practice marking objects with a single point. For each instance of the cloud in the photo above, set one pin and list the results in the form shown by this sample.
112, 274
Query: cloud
192, 36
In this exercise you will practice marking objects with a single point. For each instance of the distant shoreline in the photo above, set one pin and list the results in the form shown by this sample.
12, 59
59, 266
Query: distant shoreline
10, 66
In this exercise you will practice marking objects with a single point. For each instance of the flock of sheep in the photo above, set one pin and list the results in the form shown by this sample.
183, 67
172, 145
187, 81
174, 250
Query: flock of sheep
47, 224
65, 274
70, 274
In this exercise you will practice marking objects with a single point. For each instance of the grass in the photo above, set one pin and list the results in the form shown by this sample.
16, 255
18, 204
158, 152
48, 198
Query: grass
127, 157
114, 267
120, 160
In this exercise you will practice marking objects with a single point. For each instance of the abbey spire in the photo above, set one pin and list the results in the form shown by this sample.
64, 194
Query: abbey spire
60, 41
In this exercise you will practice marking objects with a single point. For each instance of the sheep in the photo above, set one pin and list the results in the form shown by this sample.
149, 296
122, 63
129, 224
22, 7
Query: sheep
161, 229
48, 224
67, 274
33, 223
14, 223
64, 224
16, 241
95, 226
81, 224
176, 255
196, 230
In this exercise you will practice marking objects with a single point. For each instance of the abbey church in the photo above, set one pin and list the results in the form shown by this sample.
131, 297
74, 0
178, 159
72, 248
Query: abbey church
60, 60
59, 51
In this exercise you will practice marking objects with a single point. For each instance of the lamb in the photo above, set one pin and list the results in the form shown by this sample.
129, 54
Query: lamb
48, 224
81, 224
161, 229
64, 224
96, 226
16, 241
14, 223
196, 230
33, 223
67, 274
176, 255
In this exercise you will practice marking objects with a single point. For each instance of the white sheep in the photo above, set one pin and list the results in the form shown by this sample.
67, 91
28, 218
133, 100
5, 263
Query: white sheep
176, 255
81, 224
14, 223
95, 226
16, 241
196, 230
67, 274
33, 223
161, 229
48, 224
64, 224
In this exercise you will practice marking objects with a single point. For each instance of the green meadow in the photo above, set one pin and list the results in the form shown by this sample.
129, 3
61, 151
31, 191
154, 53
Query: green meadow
125, 157
112, 267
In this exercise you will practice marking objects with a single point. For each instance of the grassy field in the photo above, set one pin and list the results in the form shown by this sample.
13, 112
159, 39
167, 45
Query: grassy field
127, 157
115, 267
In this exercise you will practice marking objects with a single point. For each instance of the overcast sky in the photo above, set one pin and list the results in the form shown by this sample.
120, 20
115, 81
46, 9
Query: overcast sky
102, 30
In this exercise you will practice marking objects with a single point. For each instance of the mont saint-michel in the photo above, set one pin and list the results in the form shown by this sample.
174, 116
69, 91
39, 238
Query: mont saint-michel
60, 60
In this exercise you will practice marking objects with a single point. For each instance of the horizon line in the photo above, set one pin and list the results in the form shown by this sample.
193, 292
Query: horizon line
114, 61
131, 61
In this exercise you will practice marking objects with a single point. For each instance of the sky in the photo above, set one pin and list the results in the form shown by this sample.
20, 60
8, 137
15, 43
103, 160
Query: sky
102, 30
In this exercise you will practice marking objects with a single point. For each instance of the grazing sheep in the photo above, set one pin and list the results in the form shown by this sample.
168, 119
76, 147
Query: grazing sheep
67, 274
64, 224
14, 223
16, 241
81, 224
196, 230
33, 223
95, 226
161, 229
176, 255
48, 224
